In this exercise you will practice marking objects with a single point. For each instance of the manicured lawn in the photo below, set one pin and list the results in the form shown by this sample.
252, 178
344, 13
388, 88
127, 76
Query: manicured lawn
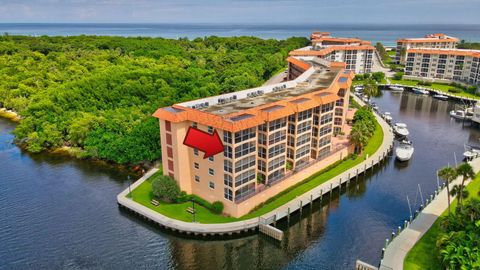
143, 193
361, 82
424, 255
318, 178
437, 86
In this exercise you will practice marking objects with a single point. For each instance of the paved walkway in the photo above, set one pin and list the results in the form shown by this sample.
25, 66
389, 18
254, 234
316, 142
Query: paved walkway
397, 250
276, 214
280, 77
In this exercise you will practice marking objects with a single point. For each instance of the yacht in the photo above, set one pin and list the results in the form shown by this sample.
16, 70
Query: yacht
359, 88
471, 154
404, 150
420, 91
458, 114
401, 129
440, 96
388, 117
396, 88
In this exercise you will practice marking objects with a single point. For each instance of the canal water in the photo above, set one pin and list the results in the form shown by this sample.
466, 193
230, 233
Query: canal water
61, 213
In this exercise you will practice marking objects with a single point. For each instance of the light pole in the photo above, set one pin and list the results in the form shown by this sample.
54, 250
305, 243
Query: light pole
129, 187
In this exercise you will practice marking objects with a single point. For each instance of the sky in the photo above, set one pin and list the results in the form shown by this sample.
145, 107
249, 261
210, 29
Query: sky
242, 11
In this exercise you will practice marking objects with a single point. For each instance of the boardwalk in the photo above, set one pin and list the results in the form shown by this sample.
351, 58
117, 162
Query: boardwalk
276, 214
397, 250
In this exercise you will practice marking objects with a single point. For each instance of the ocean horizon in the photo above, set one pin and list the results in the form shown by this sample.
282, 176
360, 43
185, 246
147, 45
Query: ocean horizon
385, 33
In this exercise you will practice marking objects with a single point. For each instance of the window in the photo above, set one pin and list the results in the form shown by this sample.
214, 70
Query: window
210, 129
276, 150
291, 129
279, 123
170, 165
276, 175
327, 107
305, 138
197, 178
169, 152
304, 127
194, 124
262, 138
211, 171
276, 163
327, 118
290, 153
244, 149
277, 137
304, 115
169, 138
245, 177
168, 126
211, 185
244, 135
244, 191
245, 163
262, 152
227, 180
196, 165
302, 151
261, 165
228, 194
227, 151
227, 166
338, 112
315, 120
195, 151
227, 137
324, 141
211, 158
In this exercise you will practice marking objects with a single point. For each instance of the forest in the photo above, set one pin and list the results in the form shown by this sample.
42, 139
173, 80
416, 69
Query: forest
96, 93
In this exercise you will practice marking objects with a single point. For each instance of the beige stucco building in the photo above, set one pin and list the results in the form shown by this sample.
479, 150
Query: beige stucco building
270, 134
431, 41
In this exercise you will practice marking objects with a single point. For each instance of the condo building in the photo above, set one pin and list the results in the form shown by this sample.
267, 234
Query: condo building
269, 134
357, 54
444, 65
433, 41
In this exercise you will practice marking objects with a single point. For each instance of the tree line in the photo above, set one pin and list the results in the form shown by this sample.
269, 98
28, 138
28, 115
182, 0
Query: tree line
97, 93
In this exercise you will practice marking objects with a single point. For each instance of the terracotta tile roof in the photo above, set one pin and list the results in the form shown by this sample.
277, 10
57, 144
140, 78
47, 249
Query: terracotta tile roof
298, 63
340, 40
474, 53
330, 49
438, 37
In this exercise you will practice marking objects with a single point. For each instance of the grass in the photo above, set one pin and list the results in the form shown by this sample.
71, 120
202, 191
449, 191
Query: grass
424, 255
437, 86
143, 193
362, 82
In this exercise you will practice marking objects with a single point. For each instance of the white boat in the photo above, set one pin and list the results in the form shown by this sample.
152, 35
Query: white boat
404, 150
401, 129
388, 117
471, 154
440, 96
396, 88
359, 88
458, 114
420, 91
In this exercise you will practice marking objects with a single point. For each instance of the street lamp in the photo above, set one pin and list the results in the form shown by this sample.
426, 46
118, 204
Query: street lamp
129, 187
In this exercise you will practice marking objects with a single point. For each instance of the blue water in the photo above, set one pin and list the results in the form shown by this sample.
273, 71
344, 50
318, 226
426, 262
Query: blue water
384, 33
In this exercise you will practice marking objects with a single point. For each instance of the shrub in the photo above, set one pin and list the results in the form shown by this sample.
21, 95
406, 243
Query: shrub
398, 76
472, 89
378, 76
217, 207
165, 189
454, 90
424, 83
358, 77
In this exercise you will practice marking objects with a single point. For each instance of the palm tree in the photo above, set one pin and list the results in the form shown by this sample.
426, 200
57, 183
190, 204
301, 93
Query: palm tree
370, 88
359, 136
467, 172
448, 174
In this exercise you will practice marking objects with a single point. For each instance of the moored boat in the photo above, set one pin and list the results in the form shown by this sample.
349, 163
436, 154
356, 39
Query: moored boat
388, 117
396, 88
440, 96
401, 130
404, 151
420, 91
457, 114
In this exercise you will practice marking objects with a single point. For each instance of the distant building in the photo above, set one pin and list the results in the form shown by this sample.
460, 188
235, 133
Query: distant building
443, 65
269, 134
433, 41
357, 54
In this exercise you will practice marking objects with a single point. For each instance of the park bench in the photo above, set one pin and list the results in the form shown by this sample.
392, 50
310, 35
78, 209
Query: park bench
190, 210
154, 202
